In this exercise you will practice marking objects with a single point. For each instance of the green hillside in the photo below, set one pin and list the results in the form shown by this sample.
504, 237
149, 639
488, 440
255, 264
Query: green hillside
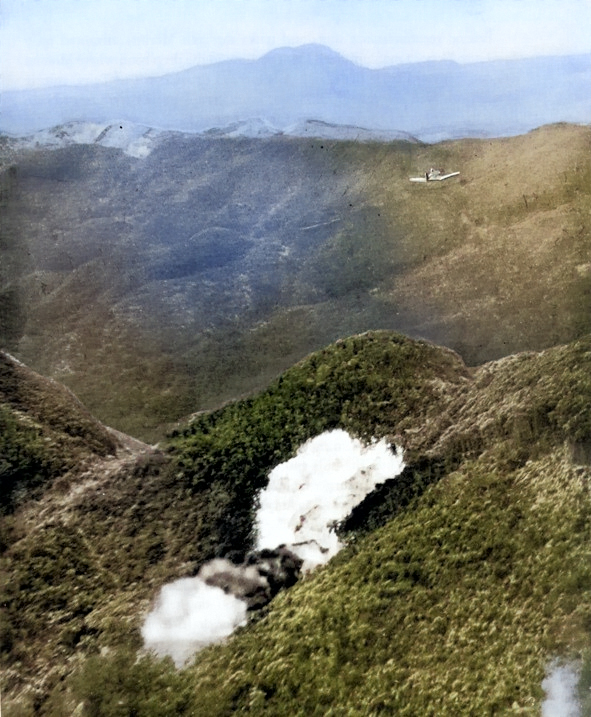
461, 581
455, 607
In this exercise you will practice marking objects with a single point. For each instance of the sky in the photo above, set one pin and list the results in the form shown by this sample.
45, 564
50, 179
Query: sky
54, 42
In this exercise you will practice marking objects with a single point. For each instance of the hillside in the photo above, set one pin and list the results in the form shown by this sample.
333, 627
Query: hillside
196, 271
462, 580
45, 431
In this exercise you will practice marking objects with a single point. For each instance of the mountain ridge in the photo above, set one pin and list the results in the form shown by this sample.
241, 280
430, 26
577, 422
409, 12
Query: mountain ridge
294, 84
139, 140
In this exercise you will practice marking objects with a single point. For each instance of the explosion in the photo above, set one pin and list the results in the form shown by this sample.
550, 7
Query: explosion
300, 508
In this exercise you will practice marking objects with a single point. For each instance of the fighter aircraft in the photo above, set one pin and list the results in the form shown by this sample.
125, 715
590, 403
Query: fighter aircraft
434, 175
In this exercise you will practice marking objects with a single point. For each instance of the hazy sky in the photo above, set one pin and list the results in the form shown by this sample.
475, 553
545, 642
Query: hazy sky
48, 42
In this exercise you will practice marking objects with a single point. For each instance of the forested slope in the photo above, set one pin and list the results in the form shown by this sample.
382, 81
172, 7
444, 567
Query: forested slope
462, 579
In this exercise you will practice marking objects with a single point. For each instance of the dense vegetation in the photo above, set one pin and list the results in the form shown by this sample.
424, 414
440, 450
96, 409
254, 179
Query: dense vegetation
203, 486
453, 608
24, 459
368, 385
454, 605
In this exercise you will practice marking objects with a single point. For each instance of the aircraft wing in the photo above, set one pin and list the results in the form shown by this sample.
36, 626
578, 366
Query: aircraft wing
437, 178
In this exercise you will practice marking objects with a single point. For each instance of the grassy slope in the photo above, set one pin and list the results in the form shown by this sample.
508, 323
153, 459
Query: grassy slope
489, 264
512, 267
457, 604
453, 606
44, 432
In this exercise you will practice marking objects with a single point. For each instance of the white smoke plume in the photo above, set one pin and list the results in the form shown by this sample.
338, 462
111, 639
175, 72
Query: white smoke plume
560, 685
305, 499
188, 615
310, 494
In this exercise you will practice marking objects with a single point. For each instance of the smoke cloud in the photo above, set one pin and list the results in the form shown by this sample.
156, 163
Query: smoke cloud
310, 494
188, 615
560, 686
304, 501
256, 581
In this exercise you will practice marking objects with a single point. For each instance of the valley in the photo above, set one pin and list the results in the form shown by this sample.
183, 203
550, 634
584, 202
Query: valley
194, 275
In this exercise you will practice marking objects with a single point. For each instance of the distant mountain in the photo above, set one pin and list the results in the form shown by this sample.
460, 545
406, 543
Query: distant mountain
291, 85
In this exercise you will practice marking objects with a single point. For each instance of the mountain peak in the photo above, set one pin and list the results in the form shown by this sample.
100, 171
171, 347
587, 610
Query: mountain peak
310, 51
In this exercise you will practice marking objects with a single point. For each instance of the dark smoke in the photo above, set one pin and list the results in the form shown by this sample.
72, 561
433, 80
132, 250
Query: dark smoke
258, 579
